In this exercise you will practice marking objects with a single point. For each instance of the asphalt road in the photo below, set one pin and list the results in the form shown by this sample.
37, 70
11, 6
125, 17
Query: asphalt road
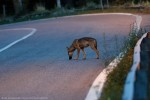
145, 25
38, 67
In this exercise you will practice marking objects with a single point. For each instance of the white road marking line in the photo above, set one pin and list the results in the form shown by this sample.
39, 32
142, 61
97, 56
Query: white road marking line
97, 86
15, 42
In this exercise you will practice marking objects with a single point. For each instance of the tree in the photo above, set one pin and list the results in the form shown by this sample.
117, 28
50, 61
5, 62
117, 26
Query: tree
101, 4
20, 3
107, 3
136, 1
58, 4
17, 6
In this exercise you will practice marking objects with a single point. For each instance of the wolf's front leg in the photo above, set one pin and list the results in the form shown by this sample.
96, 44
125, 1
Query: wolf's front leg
78, 52
84, 55
97, 52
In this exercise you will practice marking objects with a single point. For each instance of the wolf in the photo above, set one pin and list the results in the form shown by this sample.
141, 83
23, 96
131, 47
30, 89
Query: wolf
80, 44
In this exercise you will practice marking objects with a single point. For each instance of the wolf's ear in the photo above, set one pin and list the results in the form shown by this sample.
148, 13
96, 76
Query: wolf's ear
67, 48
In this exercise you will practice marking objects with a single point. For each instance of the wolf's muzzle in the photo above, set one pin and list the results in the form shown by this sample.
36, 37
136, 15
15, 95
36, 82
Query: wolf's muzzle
70, 57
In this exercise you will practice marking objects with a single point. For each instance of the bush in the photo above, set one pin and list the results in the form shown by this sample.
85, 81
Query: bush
91, 5
40, 8
146, 4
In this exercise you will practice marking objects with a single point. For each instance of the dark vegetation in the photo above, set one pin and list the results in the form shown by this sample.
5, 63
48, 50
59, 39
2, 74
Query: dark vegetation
22, 10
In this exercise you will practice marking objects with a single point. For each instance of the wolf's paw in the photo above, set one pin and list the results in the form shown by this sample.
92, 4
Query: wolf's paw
83, 58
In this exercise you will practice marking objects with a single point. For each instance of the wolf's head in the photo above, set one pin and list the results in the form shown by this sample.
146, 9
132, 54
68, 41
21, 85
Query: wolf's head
70, 52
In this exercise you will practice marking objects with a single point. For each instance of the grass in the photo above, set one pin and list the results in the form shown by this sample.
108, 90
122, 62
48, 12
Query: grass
117, 10
115, 80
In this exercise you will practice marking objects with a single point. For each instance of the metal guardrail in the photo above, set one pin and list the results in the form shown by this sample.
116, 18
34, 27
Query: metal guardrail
128, 93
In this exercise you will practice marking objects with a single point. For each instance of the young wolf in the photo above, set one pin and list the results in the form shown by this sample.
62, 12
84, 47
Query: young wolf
80, 44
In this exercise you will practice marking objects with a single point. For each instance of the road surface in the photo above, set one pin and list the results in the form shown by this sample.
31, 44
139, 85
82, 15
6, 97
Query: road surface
38, 66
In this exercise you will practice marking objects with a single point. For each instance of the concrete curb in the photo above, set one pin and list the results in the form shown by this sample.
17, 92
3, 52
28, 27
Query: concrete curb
97, 86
